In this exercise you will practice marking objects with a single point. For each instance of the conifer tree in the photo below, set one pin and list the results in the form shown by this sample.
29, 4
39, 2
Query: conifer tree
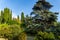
43, 19
6, 15
22, 20
22, 16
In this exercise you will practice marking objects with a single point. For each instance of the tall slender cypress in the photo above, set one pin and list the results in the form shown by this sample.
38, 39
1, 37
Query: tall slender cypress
22, 16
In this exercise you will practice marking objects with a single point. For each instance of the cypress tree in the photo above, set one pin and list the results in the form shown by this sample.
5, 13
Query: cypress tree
22, 17
6, 15
23, 20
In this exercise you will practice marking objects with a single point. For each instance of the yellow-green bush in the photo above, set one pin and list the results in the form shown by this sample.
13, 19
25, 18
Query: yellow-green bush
10, 31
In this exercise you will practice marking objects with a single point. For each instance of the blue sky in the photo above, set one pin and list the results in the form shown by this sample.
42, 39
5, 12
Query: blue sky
18, 6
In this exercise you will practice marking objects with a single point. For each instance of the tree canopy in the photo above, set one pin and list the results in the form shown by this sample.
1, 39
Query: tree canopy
41, 24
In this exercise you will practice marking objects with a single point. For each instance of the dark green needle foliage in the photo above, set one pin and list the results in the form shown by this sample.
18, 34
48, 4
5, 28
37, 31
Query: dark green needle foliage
42, 19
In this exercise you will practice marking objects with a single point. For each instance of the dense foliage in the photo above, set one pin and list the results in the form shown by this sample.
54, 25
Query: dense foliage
41, 24
11, 27
9, 31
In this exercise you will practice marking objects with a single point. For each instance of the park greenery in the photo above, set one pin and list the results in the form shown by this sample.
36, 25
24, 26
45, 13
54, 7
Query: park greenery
42, 24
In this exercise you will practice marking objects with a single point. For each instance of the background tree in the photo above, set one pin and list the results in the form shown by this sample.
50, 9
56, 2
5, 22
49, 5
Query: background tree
1, 17
22, 16
6, 15
23, 20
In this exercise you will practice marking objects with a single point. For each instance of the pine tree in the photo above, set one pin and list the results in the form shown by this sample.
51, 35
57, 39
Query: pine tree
43, 19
